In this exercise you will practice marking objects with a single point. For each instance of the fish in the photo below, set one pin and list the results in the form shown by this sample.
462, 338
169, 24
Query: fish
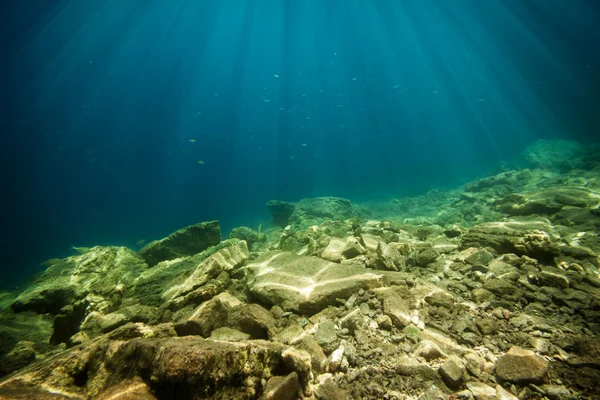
80, 250
140, 242
192, 140
50, 262
201, 162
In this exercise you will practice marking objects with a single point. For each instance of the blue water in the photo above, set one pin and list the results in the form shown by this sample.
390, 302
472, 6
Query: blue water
124, 120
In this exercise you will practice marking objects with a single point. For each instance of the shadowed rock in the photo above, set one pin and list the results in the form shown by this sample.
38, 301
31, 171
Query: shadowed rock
185, 242
166, 368
102, 272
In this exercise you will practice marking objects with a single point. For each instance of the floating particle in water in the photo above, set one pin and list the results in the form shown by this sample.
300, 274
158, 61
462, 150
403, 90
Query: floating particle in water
201, 162
192, 140
276, 76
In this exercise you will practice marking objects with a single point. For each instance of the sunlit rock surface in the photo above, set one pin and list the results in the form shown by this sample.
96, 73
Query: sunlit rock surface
306, 284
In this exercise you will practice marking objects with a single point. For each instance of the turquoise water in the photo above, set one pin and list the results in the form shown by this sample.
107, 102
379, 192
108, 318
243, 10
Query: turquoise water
125, 120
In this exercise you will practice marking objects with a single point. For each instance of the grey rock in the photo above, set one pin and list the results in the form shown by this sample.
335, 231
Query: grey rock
326, 336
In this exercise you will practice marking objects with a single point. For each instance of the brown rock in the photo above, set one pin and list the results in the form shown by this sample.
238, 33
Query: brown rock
521, 366
283, 387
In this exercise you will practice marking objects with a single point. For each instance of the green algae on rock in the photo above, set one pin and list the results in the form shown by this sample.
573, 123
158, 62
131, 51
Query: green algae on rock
185, 242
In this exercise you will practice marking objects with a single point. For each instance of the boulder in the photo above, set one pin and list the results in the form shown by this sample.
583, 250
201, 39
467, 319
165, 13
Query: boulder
208, 316
185, 242
160, 283
305, 284
225, 259
534, 238
102, 272
521, 366
188, 367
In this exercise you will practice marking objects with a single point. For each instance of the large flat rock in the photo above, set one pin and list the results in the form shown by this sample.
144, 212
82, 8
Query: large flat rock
306, 284
533, 237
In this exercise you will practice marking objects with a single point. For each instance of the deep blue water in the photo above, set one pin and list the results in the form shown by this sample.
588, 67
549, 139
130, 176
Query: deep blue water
107, 106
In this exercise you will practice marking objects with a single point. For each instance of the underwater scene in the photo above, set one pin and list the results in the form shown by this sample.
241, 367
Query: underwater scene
300, 199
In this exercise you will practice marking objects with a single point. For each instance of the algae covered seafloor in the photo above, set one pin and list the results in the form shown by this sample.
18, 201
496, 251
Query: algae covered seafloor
486, 291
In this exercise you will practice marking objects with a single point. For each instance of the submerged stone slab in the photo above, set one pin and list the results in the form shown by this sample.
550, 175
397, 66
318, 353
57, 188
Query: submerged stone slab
306, 284
535, 238
184, 242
